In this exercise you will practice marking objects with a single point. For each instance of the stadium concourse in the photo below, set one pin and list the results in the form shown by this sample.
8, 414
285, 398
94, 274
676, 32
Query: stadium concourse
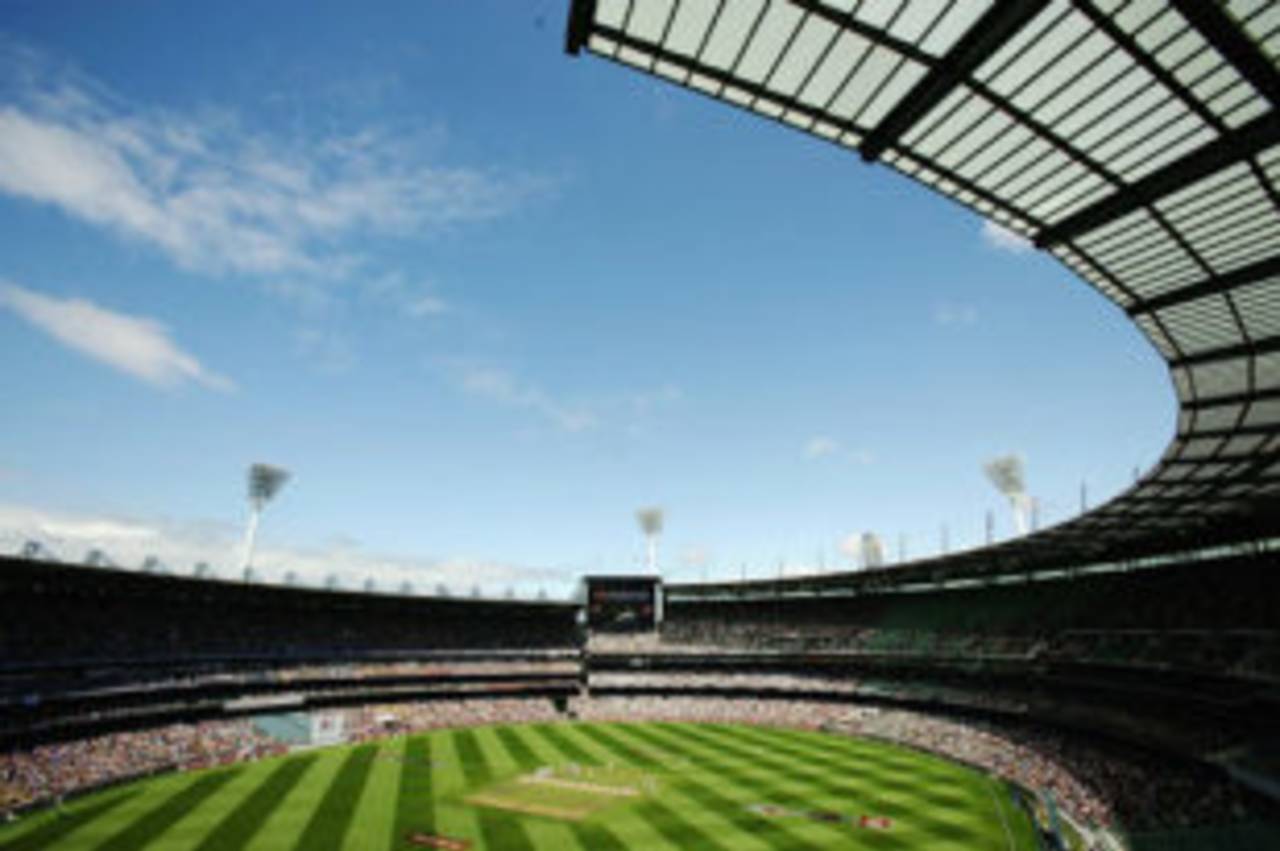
1119, 673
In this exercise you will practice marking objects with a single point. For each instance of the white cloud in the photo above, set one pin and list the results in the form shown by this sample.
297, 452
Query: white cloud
428, 305
134, 345
325, 348
216, 197
66, 527
506, 388
647, 401
499, 385
127, 542
310, 299
950, 315
822, 446
410, 298
1003, 239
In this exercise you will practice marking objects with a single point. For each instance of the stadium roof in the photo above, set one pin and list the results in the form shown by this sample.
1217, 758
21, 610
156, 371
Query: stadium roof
1137, 142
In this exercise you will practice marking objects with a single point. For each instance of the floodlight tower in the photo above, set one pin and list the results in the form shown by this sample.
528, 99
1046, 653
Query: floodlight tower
872, 550
650, 520
1006, 474
265, 482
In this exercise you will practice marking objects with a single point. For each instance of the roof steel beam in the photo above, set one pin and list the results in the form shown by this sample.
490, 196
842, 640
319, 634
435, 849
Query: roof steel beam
578, 28
1226, 35
1270, 267
791, 104
1266, 345
875, 35
1163, 75
725, 78
1246, 141
1225, 458
1230, 431
1232, 399
990, 32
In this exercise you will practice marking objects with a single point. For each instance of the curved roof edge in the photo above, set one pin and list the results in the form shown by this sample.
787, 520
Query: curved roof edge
1136, 142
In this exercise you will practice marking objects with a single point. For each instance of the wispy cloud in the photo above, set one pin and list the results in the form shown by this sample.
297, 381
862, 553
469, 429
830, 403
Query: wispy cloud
508, 389
218, 197
325, 348
180, 545
505, 388
822, 446
950, 315
647, 401
135, 345
427, 305
1003, 239
413, 299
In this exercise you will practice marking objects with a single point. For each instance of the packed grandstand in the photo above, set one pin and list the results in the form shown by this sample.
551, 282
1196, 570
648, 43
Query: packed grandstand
1145, 720
1121, 671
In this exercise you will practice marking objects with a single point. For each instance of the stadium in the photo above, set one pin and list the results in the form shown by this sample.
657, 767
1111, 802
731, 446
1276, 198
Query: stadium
1108, 682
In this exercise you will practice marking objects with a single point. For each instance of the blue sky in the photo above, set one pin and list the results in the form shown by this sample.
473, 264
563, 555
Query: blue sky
485, 300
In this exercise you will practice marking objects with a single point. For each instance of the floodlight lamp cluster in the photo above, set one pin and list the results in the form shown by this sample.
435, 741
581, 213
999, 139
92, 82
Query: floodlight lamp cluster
265, 481
650, 520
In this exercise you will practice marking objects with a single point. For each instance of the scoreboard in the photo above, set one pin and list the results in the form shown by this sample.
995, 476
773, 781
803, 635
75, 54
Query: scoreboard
623, 603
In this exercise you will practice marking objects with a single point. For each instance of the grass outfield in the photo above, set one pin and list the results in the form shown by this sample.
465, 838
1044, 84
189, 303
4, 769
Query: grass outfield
556, 787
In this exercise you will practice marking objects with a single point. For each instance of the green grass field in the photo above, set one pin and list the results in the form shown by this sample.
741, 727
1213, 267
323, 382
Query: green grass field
556, 787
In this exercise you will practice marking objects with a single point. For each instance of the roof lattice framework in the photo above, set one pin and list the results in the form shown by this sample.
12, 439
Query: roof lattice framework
1138, 141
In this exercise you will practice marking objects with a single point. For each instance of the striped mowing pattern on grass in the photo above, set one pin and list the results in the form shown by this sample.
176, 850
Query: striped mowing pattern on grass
413, 800
48, 833
330, 819
701, 789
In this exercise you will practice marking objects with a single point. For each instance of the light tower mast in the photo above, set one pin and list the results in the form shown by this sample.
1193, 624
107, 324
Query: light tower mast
650, 520
265, 482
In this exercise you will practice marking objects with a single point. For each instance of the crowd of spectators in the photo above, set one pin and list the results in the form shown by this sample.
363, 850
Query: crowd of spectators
29, 707
1155, 618
422, 668
761, 682
1103, 786
797, 714
112, 680
1096, 785
49, 772
624, 642
372, 722
1252, 653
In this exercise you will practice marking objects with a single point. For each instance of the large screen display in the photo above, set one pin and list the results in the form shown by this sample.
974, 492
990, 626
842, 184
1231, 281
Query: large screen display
622, 604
